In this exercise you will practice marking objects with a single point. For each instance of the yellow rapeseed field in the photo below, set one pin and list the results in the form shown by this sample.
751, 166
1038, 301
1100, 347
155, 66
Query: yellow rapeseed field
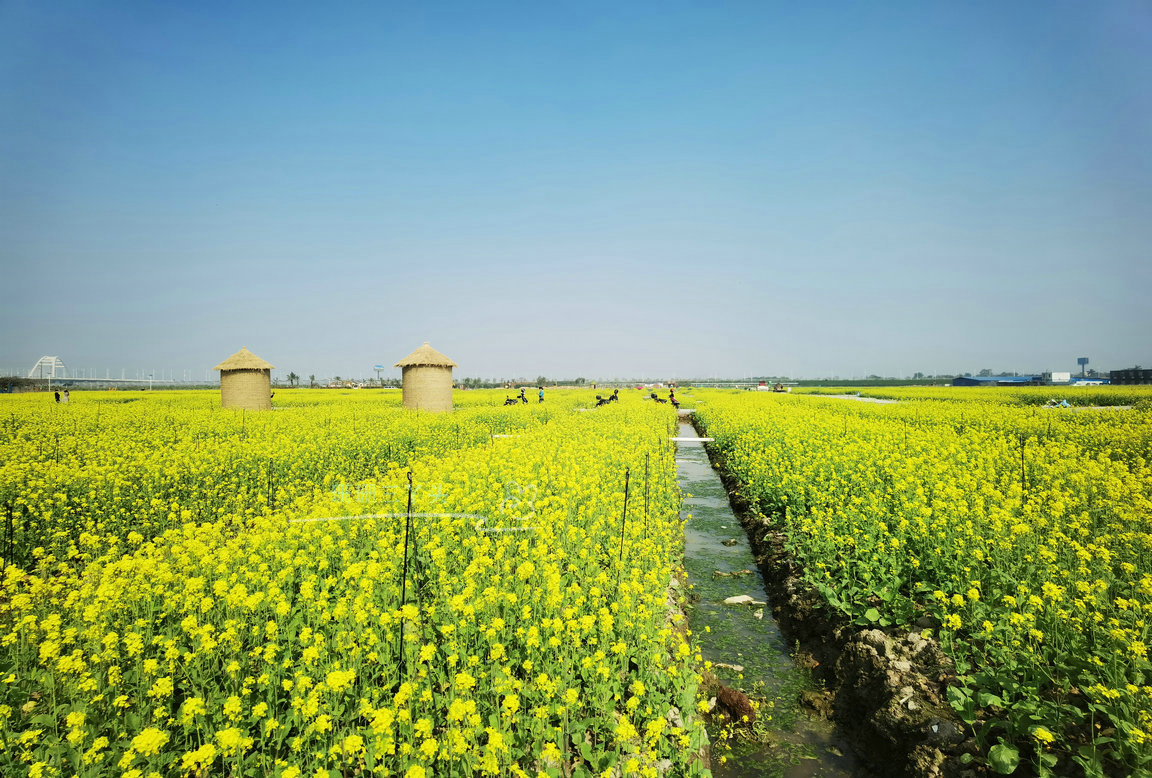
1023, 531
192, 591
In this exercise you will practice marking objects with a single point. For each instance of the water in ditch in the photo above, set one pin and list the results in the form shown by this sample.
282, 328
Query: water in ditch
743, 643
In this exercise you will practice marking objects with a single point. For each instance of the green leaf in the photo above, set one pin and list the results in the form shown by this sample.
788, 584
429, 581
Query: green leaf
985, 699
1003, 758
872, 615
962, 703
586, 751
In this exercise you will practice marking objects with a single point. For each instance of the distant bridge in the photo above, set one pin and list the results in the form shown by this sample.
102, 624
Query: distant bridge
52, 369
53, 365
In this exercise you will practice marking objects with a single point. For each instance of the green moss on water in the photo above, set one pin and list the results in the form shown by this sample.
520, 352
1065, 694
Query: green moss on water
784, 738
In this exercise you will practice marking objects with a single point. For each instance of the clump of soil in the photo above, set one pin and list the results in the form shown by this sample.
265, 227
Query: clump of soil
886, 691
727, 705
735, 705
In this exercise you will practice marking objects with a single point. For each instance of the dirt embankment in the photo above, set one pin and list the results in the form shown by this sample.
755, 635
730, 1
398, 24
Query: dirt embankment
886, 691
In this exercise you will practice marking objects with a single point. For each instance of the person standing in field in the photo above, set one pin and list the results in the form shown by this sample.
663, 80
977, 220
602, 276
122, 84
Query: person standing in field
57, 397
541, 394
65, 395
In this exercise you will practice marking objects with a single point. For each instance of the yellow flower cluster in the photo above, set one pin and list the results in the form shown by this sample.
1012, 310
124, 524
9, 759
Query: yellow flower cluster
118, 469
204, 598
1023, 531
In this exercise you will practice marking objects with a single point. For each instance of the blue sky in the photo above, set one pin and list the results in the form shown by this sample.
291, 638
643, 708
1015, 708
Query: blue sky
598, 189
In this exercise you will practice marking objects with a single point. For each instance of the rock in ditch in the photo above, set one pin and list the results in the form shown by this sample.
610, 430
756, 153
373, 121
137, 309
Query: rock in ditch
731, 541
733, 668
739, 599
736, 574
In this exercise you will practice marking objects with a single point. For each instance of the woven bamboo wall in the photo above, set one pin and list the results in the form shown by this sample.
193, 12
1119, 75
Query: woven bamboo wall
427, 388
248, 389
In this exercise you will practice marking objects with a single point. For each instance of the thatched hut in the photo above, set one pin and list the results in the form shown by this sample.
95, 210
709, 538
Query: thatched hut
245, 382
427, 380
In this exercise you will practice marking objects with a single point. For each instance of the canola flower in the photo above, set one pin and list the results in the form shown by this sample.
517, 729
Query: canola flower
1023, 531
196, 603
115, 469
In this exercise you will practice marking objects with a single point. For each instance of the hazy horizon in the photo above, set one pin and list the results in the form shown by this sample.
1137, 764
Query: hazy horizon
592, 189
280, 375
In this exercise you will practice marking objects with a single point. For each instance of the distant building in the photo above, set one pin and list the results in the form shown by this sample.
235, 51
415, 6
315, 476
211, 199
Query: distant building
1131, 375
996, 380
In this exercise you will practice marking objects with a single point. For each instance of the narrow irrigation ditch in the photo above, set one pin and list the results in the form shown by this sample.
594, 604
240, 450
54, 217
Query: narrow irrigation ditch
838, 699
747, 653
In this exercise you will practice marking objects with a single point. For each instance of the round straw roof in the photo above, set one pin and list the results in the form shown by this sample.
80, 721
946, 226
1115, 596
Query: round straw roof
243, 360
426, 356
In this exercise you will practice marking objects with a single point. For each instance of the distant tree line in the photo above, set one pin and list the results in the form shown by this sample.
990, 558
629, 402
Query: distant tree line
493, 383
